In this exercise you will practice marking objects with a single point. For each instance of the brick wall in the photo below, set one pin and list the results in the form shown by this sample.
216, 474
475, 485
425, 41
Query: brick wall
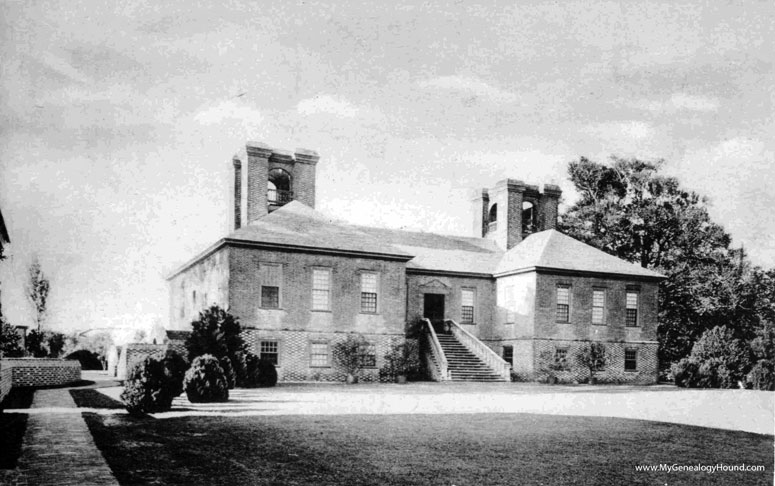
294, 348
134, 353
209, 278
484, 288
42, 371
6, 380
295, 312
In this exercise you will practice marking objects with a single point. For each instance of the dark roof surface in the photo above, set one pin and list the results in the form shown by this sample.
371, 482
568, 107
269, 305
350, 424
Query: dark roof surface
552, 249
178, 335
299, 226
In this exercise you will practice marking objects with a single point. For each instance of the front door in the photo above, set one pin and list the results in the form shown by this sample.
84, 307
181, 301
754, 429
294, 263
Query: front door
433, 307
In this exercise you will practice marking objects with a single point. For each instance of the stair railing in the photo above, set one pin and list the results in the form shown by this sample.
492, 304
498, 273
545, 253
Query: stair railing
436, 351
481, 350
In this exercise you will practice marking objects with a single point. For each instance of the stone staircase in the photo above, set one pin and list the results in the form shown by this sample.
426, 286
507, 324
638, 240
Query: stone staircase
463, 364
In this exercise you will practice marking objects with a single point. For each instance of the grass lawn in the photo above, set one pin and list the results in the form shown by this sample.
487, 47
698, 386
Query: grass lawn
415, 449
13, 425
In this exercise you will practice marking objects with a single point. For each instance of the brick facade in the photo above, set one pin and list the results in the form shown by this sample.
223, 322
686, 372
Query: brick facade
6, 380
294, 353
134, 353
42, 371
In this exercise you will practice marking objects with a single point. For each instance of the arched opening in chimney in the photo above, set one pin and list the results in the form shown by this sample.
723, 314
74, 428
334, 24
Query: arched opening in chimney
529, 218
492, 218
279, 188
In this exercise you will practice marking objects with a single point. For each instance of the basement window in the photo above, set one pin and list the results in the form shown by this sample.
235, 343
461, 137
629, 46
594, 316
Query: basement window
630, 359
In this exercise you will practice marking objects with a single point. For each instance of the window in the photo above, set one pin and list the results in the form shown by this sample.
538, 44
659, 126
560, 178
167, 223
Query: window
508, 355
268, 350
561, 358
630, 360
369, 291
271, 278
598, 306
563, 304
368, 356
632, 309
193, 297
467, 312
321, 288
318, 354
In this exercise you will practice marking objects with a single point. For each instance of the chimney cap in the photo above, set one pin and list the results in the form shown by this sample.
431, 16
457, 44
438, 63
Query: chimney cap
307, 156
258, 149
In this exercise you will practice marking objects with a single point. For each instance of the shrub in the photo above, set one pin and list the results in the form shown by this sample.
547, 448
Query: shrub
403, 358
9, 340
152, 384
89, 360
217, 333
175, 367
247, 371
228, 372
685, 372
592, 356
35, 344
717, 360
205, 381
267, 374
348, 354
762, 375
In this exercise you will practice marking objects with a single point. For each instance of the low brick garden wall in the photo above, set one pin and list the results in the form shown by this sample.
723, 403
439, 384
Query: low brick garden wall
41, 371
6, 381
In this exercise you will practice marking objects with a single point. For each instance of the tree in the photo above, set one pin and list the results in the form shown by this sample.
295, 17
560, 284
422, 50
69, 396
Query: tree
37, 291
592, 356
9, 341
629, 210
218, 333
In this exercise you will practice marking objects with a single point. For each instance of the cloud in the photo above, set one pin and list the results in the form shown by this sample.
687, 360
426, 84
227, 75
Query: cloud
470, 86
328, 105
228, 110
62, 67
678, 102
632, 129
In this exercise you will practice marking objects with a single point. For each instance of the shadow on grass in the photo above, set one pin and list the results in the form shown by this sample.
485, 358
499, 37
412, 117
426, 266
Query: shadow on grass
13, 426
91, 398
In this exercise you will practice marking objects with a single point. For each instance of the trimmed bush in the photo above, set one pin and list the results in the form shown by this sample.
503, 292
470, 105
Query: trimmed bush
685, 372
175, 367
267, 374
152, 384
205, 381
248, 371
762, 375
228, 372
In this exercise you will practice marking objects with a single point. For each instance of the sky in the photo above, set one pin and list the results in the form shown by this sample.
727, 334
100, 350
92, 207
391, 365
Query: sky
118, 120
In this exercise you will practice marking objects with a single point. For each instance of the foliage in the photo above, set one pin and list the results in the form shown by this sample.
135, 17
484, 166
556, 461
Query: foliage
152, 384
762, 375
267, 374
347, 353
37, 291
175, 367
215, 332
592, 356
98, 343
717, 360
403, 358
89, 359
228, 371
34, 344
629, 210
9, 340
205, 381
56, 343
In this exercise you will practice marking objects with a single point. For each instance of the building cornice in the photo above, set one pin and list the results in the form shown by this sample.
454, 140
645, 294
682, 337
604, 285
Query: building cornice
578, 273
237, 243
446, 273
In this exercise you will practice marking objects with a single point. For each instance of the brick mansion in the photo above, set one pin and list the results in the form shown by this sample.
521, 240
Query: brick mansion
516, 296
